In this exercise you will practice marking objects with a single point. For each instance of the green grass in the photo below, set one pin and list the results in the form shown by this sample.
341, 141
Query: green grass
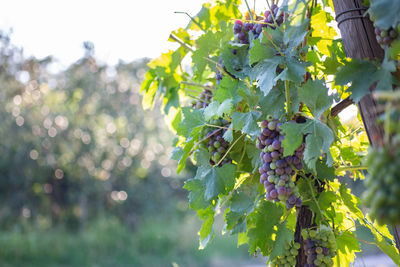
107, 242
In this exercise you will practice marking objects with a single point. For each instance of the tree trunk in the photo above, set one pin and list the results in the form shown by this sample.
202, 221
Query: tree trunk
359, 42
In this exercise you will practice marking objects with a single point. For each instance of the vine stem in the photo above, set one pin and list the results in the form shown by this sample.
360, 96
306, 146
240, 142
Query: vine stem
248, 8
198, 85
198, 98
191, 18
273, 43
288, 103
182, 43
216, 126
313, 197
351, 168
229, 149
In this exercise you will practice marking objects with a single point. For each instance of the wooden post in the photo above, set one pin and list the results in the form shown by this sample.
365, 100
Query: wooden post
359, 42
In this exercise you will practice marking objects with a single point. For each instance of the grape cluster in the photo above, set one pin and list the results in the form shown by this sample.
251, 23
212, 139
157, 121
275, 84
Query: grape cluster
242, 30
383, 184
276, 171
386, 37
217, 145
204, 99
289, 256
319, 247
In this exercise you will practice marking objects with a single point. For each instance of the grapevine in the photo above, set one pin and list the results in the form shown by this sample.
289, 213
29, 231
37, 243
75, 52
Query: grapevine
271, 153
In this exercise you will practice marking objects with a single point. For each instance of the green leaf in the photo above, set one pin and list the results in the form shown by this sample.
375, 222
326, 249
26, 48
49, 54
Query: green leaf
363, 73
246, 122
284, 236
207, 44
388, 249
265, 73
260, 51
254, 154
218, 180
347, 245
193, 118
228, 89
351, 201
228, 135
295, 34
318, 143
215, 109
266, 217
315, 95
293, 136
386, 13
196, 194
324, 171
274, 102
206, 232
236, 64
294, 70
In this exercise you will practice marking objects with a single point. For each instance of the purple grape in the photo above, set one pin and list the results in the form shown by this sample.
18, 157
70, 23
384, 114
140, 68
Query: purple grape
268, 141
267, 157
270, 188
275, 154
296, 160
276, 145
263, 177
242, 36
268, 196
248, 26
273, 193
267, 132
281, 163
282, 191
285, 177
266, 167
280, 171
289, 160
292, 199
289, 191
288, 170
264, 124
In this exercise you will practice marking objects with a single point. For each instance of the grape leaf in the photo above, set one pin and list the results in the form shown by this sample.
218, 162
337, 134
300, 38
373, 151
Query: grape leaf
196, 194
193, 118
284, 236
260, 51
215, 109
362, 74
236, 64
206, 232
350, 201
274, 102
218, 180
294, 70
266, 217
295, 34
347, 245
293, 136
246, 122
315, 95
181, 154
265, 73
207, 44
386, 13
228, 89
254, 154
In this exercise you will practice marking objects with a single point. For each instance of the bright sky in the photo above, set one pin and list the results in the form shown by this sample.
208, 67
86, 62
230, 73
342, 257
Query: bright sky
119, 29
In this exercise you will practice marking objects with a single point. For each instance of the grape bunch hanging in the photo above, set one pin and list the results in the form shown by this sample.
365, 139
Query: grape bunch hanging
217, 146
383, 184
319, 247
289, 256
242, 30
276, 170
203, 100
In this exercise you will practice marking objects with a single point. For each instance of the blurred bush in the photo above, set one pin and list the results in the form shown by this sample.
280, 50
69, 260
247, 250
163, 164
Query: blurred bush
75, 144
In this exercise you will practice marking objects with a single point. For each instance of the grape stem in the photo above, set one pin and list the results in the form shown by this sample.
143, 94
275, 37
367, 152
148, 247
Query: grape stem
191, 18
198, 98
313, 196
198, 85
350, 168
288, 102
216, 126
248, 8
229, 149
255, 22
273, 43
182, 43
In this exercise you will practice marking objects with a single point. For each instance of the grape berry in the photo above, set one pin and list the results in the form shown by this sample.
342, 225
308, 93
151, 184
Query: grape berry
204, 99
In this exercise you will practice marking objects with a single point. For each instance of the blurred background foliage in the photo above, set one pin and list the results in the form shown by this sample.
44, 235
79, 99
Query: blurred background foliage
85, 174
